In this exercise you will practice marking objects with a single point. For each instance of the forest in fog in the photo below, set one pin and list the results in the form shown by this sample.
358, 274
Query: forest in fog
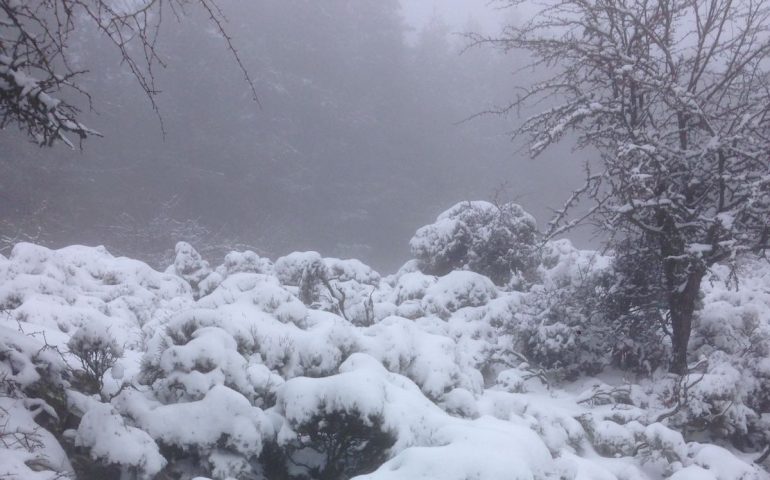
358, 138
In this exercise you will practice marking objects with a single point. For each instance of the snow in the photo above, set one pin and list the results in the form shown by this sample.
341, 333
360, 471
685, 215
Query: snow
220, 372
483, 448
105, 433
456, 290
20, 430
222, 413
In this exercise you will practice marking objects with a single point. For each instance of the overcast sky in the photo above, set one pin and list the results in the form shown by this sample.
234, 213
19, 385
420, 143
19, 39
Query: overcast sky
456, 13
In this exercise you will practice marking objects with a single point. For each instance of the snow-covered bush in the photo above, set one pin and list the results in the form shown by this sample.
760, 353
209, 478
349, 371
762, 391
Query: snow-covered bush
26, 362
263, 292
351, 269
246, 262
203, 384
309, 273
408, 291
313, 284
412, 286
290, 268
457, 290
356, 302
221, 435
496, 241
189, 265
343, 287
557, 325
556, 332
110, 441
429, 357
96, 350
197, 354
331, 445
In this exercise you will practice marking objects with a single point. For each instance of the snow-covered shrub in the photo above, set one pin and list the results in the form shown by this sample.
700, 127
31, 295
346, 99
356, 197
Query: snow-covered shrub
313, 282
234, 263
32, 380
558, 326
411, 286
194, 356
110, 441
26, 364
611, 439
661, 445
315, 286
96, 350
434, 361
343, 287
221, 435
290, 268
264, 292
356, 302
457, 290
409, 289
563, 265
496, 241
521, 379
189, 265
556, 330
245, 262
351, 269
332, 445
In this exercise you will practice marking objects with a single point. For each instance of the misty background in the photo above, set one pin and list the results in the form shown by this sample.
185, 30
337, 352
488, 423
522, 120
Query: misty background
358, 140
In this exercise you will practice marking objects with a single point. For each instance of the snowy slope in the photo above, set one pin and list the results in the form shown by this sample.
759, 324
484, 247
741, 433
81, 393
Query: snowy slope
312, 367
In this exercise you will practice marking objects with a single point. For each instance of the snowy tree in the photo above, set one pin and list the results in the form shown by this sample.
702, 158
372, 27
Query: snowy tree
495, 240
675, 98
37, 68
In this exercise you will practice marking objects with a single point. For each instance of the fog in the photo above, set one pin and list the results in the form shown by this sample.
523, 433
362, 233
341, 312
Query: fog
360, 137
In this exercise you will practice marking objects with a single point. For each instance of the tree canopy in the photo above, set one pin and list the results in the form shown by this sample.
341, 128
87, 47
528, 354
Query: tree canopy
38, 74
674, 96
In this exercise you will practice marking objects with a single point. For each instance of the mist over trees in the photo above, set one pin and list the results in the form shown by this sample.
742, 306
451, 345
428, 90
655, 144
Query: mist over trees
360, 125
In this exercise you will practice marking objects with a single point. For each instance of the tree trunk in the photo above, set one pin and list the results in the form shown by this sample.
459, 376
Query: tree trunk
681, 303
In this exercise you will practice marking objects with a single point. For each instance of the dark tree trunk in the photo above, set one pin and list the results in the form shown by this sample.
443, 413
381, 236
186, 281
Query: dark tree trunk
681, 303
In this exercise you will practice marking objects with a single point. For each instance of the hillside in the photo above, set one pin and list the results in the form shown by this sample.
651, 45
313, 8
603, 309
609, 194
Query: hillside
312, 367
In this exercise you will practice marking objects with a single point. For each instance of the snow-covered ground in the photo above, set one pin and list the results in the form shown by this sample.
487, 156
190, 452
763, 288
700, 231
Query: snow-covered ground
311, 367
